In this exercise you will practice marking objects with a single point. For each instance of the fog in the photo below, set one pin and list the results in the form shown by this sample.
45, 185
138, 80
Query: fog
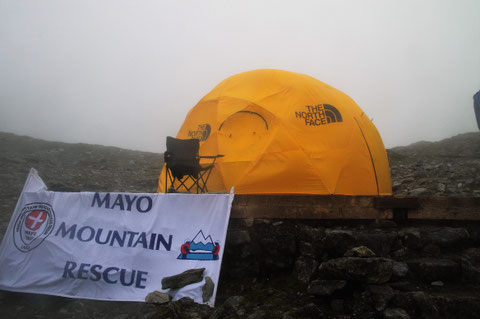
125, 73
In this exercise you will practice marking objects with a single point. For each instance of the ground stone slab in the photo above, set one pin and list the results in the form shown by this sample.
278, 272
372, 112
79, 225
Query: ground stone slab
230, 308
207, 289
238, 237
400, 269
430, 269
447, 236
418, 191
374, 270
158, 297
411, 238
337, 241
308, 311
304, 268
395, 313
378, 241
473, 255
181, 280
381, 295
360, 251
325, 287
435, 305
437, 283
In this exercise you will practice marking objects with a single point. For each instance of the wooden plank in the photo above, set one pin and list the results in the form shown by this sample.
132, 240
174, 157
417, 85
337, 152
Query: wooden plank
388, 202
305, 207
354, 207
447, 208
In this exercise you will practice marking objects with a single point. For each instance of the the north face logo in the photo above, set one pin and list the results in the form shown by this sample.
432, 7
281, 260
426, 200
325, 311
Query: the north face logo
201, 133
321, 114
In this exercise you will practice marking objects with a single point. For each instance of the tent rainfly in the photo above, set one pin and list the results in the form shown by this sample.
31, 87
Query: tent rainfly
287, 133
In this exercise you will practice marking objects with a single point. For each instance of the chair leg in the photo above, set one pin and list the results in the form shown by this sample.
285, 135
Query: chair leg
169, 177
200, 183
208, 171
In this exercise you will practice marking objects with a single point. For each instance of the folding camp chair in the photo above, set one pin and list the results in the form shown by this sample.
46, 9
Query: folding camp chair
183, 169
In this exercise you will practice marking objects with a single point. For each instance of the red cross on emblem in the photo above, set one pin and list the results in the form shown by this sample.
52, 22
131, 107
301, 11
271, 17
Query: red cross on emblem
35, 219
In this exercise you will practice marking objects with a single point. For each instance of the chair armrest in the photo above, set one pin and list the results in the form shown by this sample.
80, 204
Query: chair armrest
211, 156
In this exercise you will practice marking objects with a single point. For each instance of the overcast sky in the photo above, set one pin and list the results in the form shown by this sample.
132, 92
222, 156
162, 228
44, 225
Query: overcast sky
125, 73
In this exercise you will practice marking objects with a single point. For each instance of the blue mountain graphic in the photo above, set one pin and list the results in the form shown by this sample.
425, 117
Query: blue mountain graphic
200, 242
201, 246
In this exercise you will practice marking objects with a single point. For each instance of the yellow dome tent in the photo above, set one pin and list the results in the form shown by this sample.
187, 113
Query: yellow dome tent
287, 133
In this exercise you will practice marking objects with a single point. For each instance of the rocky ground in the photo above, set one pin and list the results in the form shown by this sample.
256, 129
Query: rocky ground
285, 269
450, 167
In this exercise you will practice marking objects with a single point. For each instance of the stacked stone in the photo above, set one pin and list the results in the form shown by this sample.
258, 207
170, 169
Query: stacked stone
393, 272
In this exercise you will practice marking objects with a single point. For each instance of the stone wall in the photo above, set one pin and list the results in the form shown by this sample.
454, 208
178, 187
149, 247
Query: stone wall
309, 268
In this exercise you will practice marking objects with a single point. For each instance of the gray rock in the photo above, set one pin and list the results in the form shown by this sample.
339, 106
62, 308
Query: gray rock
395, 313
402, 285
230, 308
411, 238
473, 255
158, 297
426, 305
310, 234
407, 180
446, 236
234, 302
259, 314
375, 270
429, 269
186, 308
337, 242
337, 305
248, 222
400, 253
360, 251
362, 306
432, 250
310, 310
307, 249
400, 269
181, 280
304, 268
396, 186
277, 246
437, 283
325, 287
418, 191
470, 264
379, 242
238, 237
381, 295
469, 271
207, 289
441, 187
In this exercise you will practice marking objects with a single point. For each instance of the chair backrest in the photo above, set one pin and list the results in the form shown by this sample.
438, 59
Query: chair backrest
181, 157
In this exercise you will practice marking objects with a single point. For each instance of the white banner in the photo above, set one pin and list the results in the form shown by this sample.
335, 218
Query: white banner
111, 246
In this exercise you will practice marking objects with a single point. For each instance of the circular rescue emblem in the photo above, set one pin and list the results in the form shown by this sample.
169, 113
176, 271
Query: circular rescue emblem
34, 224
